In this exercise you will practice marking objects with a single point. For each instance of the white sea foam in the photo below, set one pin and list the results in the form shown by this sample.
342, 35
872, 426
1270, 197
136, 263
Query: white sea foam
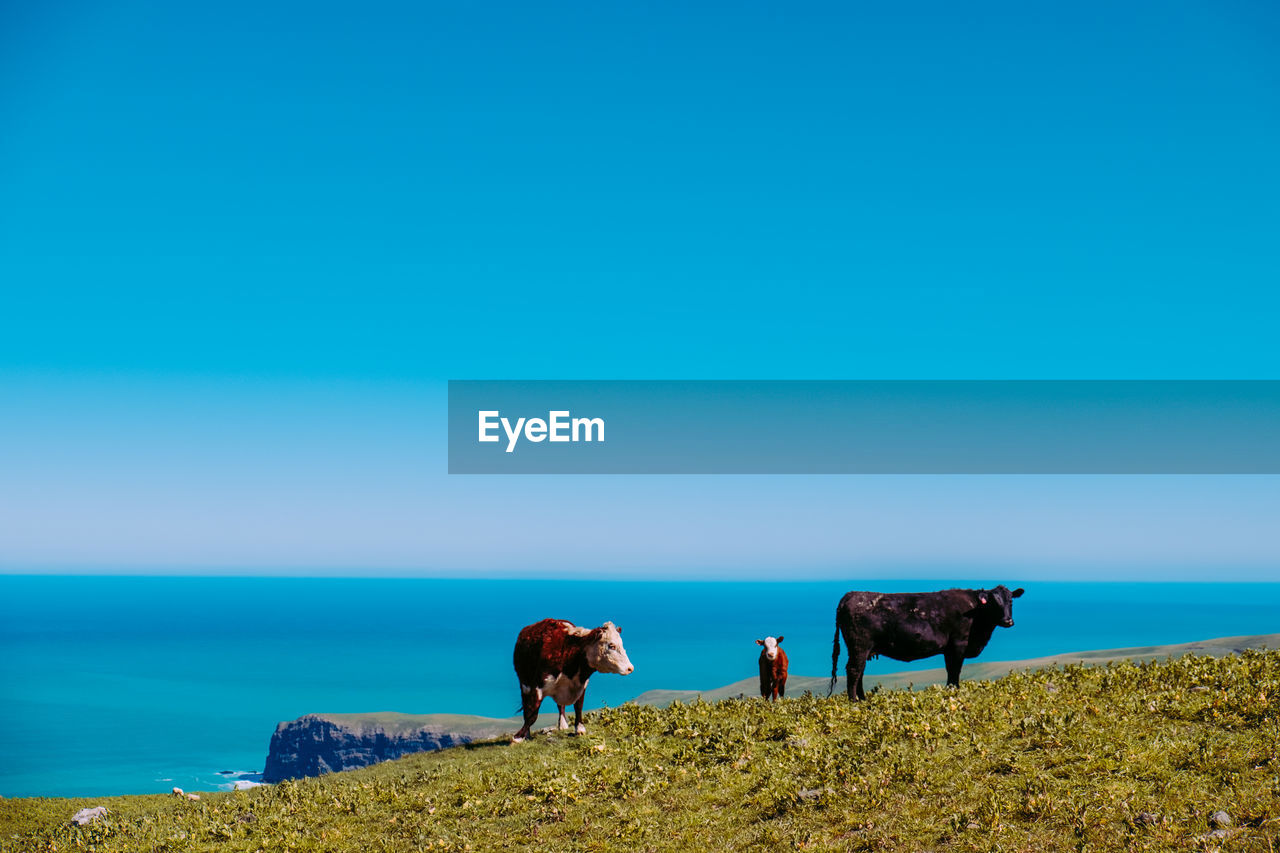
242, 780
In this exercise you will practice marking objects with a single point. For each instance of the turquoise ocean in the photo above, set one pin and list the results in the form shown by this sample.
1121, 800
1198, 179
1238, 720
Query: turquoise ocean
118, 685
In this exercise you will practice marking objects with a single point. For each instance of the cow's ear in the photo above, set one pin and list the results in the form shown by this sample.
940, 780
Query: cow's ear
982, 598
1017, 593
779, 638
759, 642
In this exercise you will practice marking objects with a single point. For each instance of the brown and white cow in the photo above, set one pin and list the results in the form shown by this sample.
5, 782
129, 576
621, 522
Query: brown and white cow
556, 658
773, 669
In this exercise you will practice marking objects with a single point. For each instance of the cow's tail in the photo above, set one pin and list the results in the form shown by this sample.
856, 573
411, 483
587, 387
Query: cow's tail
835, 658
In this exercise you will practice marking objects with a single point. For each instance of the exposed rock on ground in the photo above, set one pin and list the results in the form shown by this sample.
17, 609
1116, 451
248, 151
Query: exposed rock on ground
85, 816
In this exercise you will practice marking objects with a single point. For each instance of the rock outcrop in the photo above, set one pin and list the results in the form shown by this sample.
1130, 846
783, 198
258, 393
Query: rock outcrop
326, 743
87, 816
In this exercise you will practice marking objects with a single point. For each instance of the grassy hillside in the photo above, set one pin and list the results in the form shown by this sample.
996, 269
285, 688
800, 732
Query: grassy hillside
393, 722
1129, 756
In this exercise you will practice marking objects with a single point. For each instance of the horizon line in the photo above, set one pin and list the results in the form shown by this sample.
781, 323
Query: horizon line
614, 578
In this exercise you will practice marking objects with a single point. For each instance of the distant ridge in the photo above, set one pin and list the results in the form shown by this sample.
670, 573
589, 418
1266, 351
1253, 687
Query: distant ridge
973, 670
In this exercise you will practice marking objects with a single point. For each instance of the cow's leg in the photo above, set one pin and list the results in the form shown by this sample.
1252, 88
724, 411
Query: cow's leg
955, 660
853, 673
781, 689
531, 701
578, 727
562, 723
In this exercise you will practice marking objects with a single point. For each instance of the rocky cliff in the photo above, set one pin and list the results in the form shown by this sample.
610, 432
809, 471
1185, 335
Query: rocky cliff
326, 743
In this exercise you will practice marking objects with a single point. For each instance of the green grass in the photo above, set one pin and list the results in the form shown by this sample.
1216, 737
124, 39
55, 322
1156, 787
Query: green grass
1127, 756
394, 723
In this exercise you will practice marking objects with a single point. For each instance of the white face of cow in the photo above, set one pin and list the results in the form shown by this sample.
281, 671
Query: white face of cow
607, 653
770, 647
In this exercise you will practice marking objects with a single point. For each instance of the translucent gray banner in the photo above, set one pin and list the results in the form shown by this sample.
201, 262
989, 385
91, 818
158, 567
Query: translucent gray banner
864, 427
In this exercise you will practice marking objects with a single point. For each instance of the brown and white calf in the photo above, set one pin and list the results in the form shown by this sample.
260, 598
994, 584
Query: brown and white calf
773, 669
556, 658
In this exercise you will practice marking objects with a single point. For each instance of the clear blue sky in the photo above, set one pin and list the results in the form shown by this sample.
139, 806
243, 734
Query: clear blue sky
242, 248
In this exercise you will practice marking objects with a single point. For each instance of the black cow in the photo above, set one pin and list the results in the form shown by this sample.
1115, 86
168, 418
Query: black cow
955, 623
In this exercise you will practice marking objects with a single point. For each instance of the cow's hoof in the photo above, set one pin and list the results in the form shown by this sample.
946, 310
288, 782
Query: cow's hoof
580, 730
517, 739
